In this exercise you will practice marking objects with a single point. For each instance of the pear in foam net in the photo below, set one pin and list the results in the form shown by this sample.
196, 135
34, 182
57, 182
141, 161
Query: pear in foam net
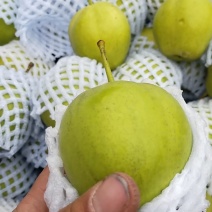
15, 108
15, 55
69, 77
150, 64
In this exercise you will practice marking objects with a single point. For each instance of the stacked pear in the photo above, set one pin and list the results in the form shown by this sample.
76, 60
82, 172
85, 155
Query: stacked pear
182, 28
15, 55
15, 108
150, 65
94, 22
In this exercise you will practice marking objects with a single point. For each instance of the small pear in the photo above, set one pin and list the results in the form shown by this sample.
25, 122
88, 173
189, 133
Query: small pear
183, 28
93, 23
152, 65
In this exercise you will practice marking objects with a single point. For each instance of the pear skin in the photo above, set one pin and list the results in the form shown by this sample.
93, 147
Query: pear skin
139, 129
183, 28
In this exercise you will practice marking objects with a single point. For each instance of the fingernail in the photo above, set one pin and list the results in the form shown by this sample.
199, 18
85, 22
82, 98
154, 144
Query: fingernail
111, 195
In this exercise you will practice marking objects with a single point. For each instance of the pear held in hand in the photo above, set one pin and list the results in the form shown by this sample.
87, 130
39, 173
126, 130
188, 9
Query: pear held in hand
123, 126
101, 20
183, 28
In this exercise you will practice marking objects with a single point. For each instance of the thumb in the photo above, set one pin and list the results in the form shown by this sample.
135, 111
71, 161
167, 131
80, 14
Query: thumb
117, 193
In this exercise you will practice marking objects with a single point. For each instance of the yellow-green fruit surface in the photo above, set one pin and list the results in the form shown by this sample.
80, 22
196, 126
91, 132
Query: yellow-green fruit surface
183, 28
139, 129
7, 32
209, 81
209, 198
100, 21
148, 33
45, 117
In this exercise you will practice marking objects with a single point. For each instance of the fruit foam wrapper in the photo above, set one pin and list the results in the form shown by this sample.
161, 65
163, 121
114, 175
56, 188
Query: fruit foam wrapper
7, 204
150, 64
67, 79
186, 192
204, 108
152, 7
43, 25
35, 149
15, 55
15, 108
193, 73
8, 10
16, 176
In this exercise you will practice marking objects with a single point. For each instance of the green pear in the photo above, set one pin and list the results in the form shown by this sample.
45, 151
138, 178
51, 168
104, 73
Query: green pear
101, 20
183, 28
7, 32
123, 126
208, 81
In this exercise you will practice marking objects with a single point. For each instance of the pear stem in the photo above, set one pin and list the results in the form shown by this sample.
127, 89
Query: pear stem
101, 45
29, 67
90, 2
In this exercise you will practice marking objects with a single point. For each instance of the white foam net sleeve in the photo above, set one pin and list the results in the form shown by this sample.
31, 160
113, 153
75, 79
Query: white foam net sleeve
8, 204
135, 11
43, 25
15, 109
16, 176
35, 150
8, 10
207, 56
186, 192
153, 6
204, 108
150, 64
15, 55
194, 74
139, 43
67, 79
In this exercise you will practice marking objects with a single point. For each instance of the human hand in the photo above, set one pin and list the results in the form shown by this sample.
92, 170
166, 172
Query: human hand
117, 193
